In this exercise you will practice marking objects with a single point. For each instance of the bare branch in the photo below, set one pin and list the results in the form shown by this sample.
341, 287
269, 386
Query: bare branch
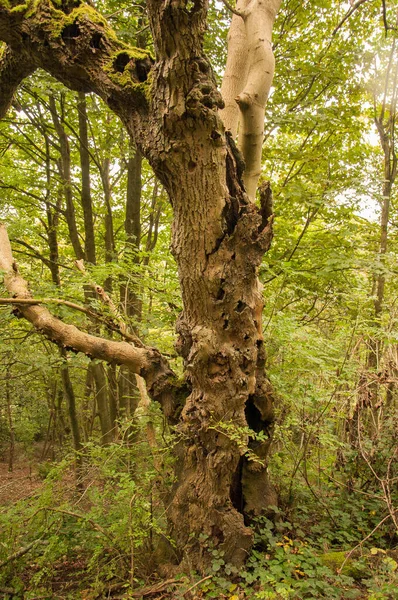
22, 551
232, 9
107, 300
348, 14
146, 362
385, 22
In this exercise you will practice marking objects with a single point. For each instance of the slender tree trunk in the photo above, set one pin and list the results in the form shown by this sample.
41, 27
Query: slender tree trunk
102, 400
385, 123
72, 411
89, 238
52, 221
10, 423
132, 227
108, 220
64, 167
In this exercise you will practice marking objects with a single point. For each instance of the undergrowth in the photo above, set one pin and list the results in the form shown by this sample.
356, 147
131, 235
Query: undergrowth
105, 535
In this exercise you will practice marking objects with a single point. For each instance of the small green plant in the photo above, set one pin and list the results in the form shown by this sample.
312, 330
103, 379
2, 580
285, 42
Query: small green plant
241, 436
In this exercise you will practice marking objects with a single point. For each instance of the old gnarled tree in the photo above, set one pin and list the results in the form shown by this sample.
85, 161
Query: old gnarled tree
171, 107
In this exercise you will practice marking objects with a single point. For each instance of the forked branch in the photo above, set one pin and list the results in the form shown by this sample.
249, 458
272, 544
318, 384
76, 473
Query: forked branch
249, 54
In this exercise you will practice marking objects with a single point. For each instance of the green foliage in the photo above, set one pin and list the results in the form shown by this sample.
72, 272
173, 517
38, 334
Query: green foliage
104, 534
286, 565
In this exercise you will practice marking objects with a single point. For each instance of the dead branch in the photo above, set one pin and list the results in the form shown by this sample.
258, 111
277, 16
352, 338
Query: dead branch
21, 552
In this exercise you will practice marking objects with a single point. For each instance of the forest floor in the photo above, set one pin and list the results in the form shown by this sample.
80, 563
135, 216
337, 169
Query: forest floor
68, 574
19, 484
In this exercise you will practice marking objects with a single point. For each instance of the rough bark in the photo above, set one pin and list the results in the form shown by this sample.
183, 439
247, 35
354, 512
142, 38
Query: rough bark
218, 240
13, 69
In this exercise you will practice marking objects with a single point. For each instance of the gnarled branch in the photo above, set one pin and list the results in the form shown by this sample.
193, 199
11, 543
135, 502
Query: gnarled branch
80, 50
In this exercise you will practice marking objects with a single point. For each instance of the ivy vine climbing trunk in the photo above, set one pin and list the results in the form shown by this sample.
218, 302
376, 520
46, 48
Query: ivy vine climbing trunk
170, 107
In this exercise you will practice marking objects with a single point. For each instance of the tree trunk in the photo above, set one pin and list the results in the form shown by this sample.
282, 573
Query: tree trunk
385, 122
102, 400
218, 240
89, 238
73, 418
64, 167
10, 423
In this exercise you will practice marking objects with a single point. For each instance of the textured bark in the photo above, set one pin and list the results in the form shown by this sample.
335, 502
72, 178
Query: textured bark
13, 69
218, 240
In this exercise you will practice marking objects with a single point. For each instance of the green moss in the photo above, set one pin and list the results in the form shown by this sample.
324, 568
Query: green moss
352, 568
124, 78
33, 6
84, 11
5, 4
132, 53
20, 8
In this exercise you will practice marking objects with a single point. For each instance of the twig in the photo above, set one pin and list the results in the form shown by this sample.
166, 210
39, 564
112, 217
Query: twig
107, 301
363, 541
196, 584
21, 552
90, 313
232, 9
155, 589
348, 15
385, 17
33, 301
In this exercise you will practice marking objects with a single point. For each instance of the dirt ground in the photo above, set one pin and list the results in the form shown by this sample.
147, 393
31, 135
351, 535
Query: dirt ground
21, 483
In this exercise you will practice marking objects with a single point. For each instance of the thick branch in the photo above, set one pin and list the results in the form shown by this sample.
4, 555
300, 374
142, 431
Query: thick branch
236, 70
252, 59
147, 362
81, 50
13, 69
